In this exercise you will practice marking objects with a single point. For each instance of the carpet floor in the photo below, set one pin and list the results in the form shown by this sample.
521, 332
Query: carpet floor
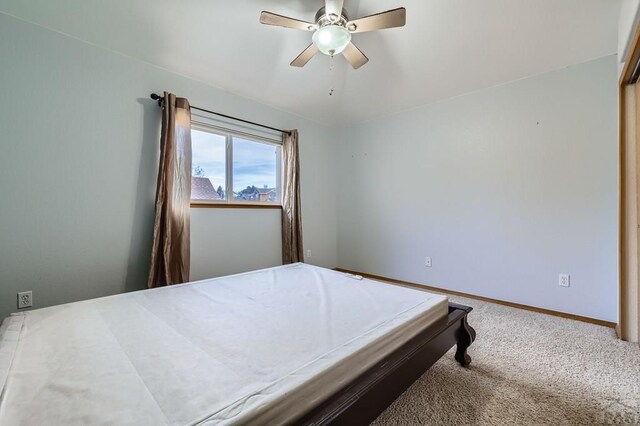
527, 369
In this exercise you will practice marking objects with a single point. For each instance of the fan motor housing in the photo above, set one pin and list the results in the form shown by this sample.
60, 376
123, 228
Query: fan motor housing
323, 19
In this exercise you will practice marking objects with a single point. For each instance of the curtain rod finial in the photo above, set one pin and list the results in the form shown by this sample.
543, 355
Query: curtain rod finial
158, 98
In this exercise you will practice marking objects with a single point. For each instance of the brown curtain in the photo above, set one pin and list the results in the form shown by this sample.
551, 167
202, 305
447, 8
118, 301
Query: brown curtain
291, 213
170, 254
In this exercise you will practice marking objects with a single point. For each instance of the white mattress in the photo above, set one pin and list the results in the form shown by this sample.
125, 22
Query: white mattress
257, 348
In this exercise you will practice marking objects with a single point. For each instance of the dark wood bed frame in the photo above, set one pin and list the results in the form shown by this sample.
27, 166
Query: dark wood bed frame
362, 401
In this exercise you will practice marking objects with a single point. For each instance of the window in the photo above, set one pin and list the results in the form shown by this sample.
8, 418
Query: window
209, 166
234, 168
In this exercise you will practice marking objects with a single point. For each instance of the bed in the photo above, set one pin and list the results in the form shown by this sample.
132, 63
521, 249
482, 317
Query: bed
295, 344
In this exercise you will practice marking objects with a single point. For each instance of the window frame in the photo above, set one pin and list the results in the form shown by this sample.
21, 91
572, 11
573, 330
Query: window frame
229, 135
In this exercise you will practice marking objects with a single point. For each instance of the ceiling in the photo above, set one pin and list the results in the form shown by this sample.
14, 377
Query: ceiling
448, 47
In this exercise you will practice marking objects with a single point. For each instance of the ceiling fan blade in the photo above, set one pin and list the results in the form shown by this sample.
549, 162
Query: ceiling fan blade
354, 56
389, 19
269, 18
305, 56
333, 7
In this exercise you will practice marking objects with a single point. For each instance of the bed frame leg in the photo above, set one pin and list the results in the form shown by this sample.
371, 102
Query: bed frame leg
465, 337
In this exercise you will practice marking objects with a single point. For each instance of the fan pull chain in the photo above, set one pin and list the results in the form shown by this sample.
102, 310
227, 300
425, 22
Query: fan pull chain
330, 70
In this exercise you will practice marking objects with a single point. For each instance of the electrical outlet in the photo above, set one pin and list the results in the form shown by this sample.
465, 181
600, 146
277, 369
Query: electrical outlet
564, 280
309, 254
427, 262
25, 299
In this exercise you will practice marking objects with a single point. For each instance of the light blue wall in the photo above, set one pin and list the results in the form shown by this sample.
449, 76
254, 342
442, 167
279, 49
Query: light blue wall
78, 164
504, 188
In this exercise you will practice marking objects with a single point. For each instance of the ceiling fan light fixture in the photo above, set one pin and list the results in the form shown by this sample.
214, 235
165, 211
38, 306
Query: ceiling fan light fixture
332, 30
332, 39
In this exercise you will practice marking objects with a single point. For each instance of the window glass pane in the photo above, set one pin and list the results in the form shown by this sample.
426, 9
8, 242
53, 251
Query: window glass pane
208, 181
255, 171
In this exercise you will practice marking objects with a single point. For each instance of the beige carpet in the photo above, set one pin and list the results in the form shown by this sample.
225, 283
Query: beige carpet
527, 369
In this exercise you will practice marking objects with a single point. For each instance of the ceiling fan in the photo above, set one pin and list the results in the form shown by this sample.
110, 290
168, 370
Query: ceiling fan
332, 30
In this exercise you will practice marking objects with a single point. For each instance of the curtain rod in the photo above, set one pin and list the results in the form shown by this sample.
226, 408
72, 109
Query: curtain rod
160, 99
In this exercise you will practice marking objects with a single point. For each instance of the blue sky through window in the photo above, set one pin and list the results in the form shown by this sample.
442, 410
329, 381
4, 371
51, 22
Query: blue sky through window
254, 163
208, 153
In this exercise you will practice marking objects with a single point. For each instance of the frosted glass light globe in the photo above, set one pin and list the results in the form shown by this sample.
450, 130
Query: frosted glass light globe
332, 39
